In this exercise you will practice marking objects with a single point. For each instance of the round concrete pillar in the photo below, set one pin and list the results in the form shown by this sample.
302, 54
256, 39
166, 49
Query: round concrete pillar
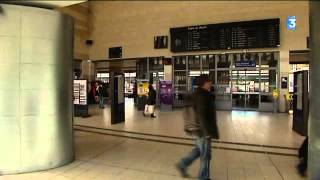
314, 114
36, 53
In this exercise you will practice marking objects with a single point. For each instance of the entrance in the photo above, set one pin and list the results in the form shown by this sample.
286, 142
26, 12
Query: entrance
245, 89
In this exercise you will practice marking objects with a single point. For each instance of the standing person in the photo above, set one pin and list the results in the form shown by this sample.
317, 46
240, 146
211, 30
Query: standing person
203, 126
151, 101
100, 92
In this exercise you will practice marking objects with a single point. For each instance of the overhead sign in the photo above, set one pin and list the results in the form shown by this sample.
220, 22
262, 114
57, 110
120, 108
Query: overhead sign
245, 63
236, 35
291, 23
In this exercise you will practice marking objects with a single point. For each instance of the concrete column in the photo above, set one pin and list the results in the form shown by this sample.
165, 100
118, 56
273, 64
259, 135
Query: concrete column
284, 72
314, 114
168, 72
36, 54
88, 70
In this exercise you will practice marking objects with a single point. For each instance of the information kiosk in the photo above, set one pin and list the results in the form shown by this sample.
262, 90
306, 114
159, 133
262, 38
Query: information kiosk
117, 98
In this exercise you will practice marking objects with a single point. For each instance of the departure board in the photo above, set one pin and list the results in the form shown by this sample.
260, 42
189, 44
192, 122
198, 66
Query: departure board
198, 38
236, 35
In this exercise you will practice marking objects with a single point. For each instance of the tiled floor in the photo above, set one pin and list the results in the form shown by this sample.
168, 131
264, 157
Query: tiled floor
235, 126
117, 155
112, 158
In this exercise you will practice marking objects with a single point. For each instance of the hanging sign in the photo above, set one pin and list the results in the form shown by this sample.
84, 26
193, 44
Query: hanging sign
245, 63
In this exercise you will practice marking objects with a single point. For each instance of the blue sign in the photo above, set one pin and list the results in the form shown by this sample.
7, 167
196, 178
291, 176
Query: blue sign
245, 63
291, 23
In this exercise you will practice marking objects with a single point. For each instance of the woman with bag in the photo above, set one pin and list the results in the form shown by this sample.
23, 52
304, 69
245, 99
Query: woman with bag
151, 102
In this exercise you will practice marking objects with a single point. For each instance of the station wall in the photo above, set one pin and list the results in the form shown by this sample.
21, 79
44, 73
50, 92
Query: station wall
133, 24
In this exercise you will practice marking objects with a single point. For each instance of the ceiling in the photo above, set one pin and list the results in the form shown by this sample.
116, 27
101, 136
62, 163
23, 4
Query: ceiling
45, 4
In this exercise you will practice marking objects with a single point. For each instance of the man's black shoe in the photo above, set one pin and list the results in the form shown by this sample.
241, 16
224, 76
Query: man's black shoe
183, 171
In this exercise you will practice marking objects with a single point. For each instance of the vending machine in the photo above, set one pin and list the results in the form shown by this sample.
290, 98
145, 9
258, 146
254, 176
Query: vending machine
165, 95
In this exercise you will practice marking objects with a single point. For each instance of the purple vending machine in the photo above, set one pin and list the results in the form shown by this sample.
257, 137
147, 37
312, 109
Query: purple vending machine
165, 95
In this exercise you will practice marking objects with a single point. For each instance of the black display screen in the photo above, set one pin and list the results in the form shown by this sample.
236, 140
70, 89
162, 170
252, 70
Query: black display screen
115, 52
237, 35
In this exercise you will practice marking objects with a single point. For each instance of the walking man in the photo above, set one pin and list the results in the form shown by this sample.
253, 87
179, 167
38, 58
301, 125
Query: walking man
202, 126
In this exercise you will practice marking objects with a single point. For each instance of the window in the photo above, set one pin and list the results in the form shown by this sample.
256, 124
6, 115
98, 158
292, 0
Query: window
268, 60
223, 77
224, 60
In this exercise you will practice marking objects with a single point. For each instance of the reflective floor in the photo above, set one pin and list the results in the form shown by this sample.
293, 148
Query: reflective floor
107, 157
235, 126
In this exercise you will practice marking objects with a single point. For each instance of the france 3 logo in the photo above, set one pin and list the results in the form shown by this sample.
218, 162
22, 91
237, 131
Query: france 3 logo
291, 23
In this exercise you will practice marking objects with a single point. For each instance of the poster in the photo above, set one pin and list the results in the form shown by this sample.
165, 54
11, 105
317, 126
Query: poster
142, 87
76, 93
80, 92
166, 96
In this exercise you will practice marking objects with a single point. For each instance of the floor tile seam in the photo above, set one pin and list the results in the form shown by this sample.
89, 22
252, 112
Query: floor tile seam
104, 151
81, 162
64, 173
266, 177
65, 177
109, 148
189, 144
121, 169
276, 167
134, 169
150, 172
36, 176
259, 166
87, 170
36, 173
184, 138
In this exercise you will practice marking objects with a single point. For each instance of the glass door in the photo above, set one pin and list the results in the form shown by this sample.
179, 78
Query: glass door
238, 89
245, 89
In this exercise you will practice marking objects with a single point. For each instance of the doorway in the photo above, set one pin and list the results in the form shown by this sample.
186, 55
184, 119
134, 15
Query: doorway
245, 89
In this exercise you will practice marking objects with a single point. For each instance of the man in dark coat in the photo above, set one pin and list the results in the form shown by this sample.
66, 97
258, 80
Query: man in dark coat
203, 126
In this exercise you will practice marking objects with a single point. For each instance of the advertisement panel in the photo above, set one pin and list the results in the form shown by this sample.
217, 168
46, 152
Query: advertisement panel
80, 92
166, 96
142, 87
